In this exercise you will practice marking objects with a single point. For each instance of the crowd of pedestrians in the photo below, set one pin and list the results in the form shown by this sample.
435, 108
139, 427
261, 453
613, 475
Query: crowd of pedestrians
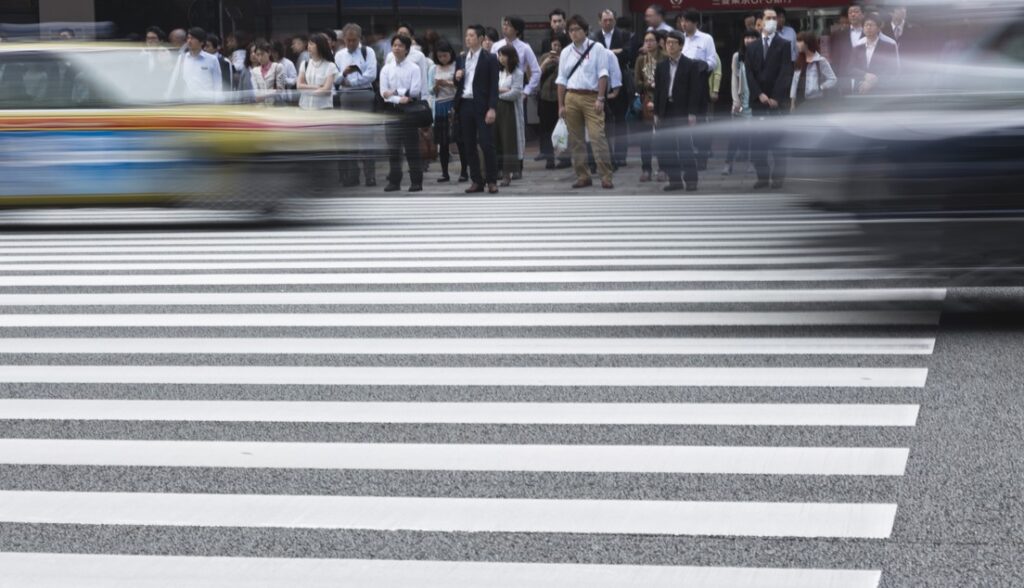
597, 91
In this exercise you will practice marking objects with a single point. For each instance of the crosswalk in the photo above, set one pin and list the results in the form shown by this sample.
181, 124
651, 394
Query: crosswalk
596, 391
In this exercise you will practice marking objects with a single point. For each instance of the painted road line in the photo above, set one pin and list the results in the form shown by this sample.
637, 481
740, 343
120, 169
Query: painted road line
472, 346
509, 413
476, 297
441, 263
467, 376
477, 319
798, 461
466, 515
539, 277
48, 570
16, 261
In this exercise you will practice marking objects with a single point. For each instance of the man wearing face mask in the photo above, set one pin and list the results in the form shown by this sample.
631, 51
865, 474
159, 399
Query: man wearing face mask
769, 76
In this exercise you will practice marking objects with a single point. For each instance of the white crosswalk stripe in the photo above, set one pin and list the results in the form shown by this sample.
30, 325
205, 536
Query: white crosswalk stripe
578, 365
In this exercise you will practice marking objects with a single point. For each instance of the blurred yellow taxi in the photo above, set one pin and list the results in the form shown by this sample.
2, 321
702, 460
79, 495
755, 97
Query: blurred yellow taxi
95, 125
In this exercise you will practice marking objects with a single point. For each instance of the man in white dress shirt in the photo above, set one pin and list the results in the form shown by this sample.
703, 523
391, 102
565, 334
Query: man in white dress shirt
416, 56
357, 67
583, 81
700, 46
197, 76
399, 85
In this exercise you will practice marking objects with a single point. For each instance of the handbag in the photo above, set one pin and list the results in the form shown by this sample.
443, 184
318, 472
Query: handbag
648, 108
416, 113
428, 149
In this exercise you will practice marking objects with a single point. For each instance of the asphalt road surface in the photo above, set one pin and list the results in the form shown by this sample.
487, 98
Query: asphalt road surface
521, 391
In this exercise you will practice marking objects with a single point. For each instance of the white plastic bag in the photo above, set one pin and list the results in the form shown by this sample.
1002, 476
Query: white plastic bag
560, 138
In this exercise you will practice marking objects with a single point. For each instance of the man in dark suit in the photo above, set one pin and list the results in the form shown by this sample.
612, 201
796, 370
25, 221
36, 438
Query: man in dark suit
476, 98
615, 40
678, 90
841, 41
556, 20
769, 76
908, 36
874, 61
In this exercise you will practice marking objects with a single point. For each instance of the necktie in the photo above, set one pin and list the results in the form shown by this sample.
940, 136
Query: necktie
897, 31
766, 43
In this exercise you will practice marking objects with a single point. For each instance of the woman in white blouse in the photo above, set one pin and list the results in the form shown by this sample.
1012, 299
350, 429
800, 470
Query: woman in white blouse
267, 76
509, 126
316, 79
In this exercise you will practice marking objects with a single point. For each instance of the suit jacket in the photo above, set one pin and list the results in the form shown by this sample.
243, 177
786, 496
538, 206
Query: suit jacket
840, 49
485, 82
770, 74
687, 91
910, 39
620, 40
884, 62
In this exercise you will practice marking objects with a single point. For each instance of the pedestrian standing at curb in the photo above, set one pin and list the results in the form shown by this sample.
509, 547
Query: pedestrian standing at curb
444, 92
476, 99
646, 65
316, 78
509, 129
400, 86
679, 90
582, 86
547, 106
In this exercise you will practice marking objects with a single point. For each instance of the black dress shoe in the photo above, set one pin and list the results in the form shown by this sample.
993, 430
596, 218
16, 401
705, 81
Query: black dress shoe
777, 185
392, 188
443, 179
673, 187
463, 179
370, 183
563, 164
416, 188
761, 185
474, 188
550, 165
691, 187
517, 175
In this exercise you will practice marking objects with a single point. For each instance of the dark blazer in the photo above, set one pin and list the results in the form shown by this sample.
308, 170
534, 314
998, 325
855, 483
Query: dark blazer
485, 82
840, 49
770, 74
910, 40
620, 40
686, 91
884, 62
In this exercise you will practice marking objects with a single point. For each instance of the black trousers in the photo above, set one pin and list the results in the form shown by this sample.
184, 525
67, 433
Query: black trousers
476, 132
675, 148
348, 167
547, 112
618, 138
401, 135
766, 141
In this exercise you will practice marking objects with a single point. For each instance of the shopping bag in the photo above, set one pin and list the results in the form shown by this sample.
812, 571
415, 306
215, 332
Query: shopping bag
560, 138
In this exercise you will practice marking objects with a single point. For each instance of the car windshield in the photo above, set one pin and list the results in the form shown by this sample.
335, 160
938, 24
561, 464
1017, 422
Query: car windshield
131, 76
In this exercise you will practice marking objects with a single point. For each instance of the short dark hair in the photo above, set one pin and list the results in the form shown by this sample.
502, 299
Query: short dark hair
578, 21
690, 15
406, 26
556, 12
779, 10
478, 29
511, 57
443, 47
331, 34
678, 36
658, 9
874, 17
404, 40
492, 34
262, 45
198, 34
159, 32
213, 40
765, 11
560, 38
517, 23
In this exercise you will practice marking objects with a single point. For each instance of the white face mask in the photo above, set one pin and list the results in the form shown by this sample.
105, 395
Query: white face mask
769, 26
